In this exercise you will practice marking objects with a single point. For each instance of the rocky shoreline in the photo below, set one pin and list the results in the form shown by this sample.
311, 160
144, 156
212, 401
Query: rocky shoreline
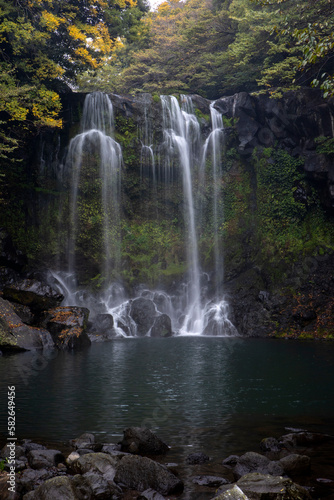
138, 468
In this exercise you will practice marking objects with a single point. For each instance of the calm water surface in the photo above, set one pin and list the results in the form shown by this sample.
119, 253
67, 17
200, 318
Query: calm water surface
216, 395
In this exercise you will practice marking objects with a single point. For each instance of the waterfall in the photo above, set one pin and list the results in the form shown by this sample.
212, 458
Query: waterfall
181, 130
93, 164
213, 146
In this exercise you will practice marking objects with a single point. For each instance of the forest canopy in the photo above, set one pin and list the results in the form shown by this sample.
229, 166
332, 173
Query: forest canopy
209, 47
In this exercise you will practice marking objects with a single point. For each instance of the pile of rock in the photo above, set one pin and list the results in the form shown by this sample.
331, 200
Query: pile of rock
127, 470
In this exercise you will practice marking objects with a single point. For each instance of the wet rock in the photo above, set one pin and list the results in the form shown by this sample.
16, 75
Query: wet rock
211, 481
254, 462
54, 489
295, 465
231, 461
86, 440
150, 494
73, 457
143, 313
97, 463
6, 451
16, 336
29, 479
141, 473
29, 292
197, 458
99, 487
304, 438
67, 326
162, 326
234, 493
270, 444
29, 446
142, 441
24, 312
102, 328
41, 459
266, 487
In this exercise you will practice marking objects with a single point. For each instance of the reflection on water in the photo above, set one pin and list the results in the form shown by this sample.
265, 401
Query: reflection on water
200, 392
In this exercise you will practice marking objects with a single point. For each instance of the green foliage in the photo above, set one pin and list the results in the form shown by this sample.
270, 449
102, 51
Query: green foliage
325, 145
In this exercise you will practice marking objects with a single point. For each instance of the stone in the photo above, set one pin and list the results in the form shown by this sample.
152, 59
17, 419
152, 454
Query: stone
142, 441
266, 487
86, 440
73, 457
17, 336
197, 458
254, 462
102, 328
150, 494
143, 312
29, 478
40, 459
97, 463
30, 292
231, 460
141, 473
211, 481
162, 326
54, 489
270, 444
295, 465
67, 326
234, 493
101, 488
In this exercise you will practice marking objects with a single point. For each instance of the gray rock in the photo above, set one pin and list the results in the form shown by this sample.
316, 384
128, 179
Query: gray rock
40, 459
98, 463
294, 465
234, 493
143, 313
67, 326
266, 487
142, 441
150, 494
270, 444
29, 478
162, 326
101, 488
86, 440
141, 473
30, 292
17, 336
54, 489
211, 481
254, 462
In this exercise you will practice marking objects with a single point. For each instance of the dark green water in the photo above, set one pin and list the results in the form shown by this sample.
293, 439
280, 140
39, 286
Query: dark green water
216, 395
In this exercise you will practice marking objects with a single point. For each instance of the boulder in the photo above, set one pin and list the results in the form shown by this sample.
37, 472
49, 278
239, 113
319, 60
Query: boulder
15, 335
270, 444
41, 459
162, 326
86, 440
234, 493
211, 481
29, 478
98, 487
266, 487
141, 473
97, 463
143, 312
142, 441
33, 293
102, 328
150, 494
67, 326
254, 462
54, 489
295, 465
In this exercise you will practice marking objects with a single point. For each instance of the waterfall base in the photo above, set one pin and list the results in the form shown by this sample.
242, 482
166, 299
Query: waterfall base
150, 312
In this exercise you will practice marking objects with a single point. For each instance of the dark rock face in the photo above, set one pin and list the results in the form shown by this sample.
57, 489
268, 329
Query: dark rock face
33, 293
197, 458
143, 313
16, 336
67, 326
162, 326
143, 441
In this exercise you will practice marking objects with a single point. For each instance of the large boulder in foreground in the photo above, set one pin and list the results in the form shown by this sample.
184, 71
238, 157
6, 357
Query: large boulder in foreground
17, 336
143, 312
266, 487
33, 293
141, 473
142, 441
67, 326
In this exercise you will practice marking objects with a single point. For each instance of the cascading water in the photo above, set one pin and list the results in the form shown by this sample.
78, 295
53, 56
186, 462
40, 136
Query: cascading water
93, 165
181, 130
94, 162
